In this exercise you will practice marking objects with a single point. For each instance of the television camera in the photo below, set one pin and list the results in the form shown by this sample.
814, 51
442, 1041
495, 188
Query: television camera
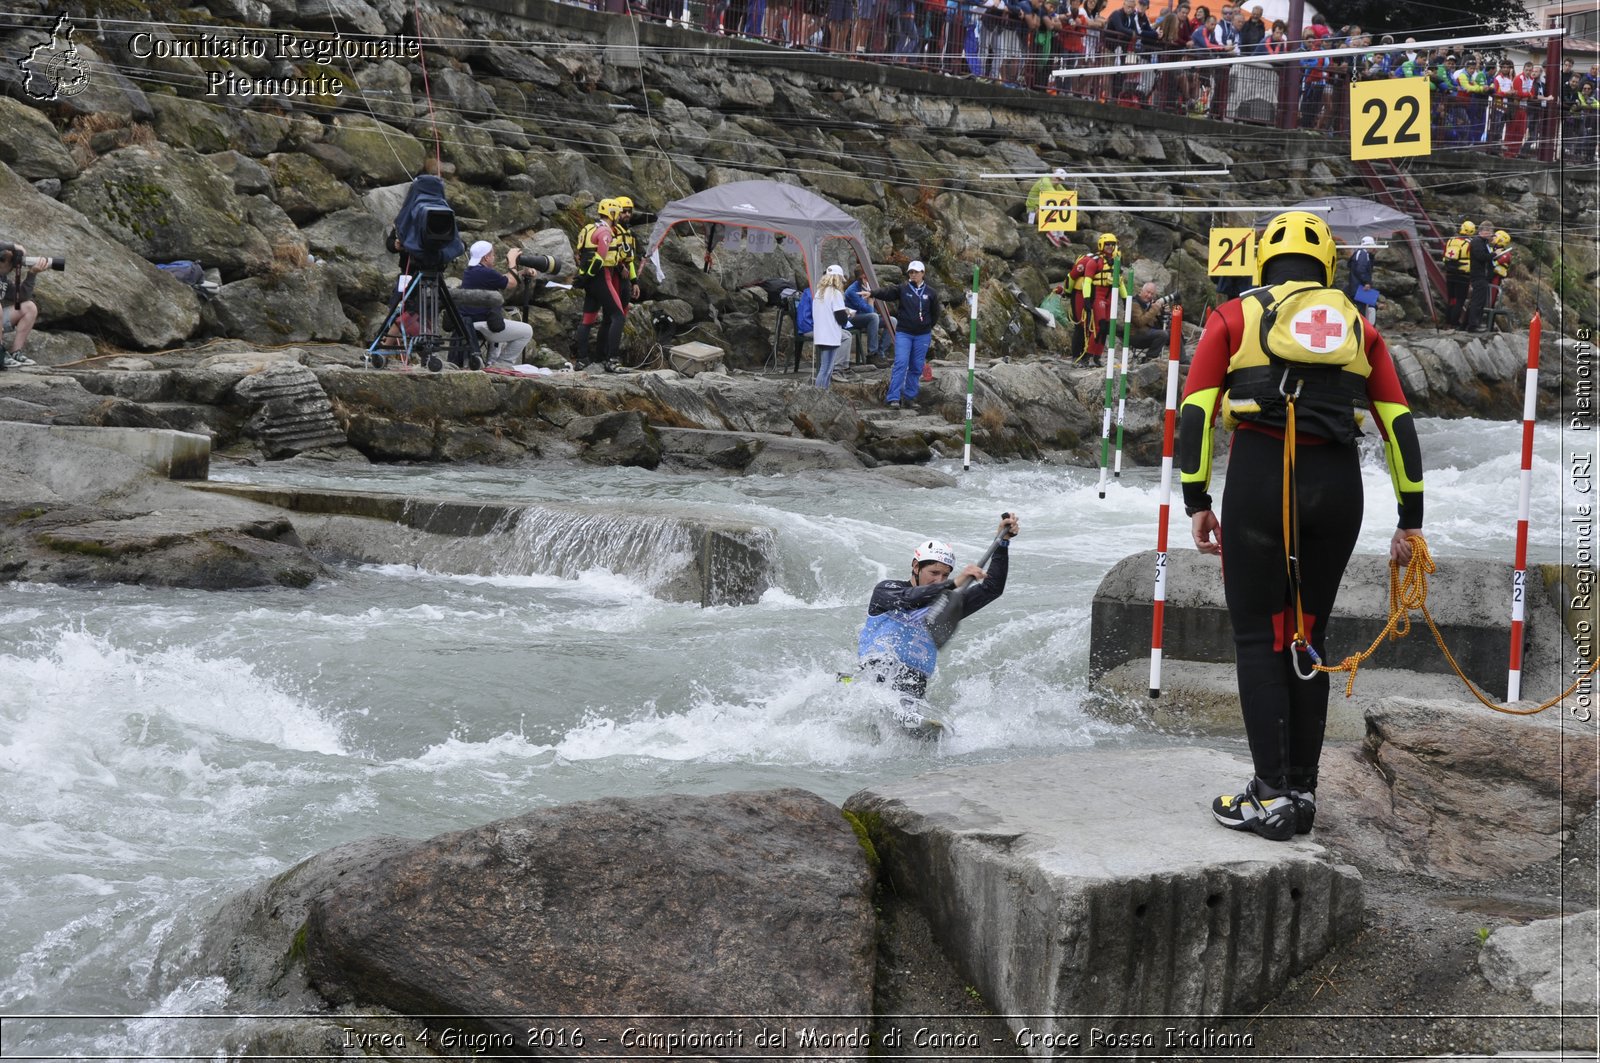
426, 238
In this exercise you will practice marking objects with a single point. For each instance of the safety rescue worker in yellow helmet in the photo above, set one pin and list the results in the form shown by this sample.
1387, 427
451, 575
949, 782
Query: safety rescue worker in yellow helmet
607, 273
1092, 275
1501, 245
1287, 363
1458, 275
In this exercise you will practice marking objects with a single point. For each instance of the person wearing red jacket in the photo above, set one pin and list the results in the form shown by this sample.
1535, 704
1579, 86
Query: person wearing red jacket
1287, 363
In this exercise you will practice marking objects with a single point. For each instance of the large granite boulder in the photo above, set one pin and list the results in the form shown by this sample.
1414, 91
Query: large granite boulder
1454, 790
168, 205
650, 909
31, 146
289, 307
106, 286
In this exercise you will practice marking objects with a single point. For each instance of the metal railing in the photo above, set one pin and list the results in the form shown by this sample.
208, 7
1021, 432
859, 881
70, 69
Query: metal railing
1011, 45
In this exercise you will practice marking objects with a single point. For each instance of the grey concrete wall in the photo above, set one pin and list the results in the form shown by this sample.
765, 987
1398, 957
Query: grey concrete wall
1470, 601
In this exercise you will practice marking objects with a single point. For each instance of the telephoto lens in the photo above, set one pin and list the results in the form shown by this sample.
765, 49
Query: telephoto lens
537, 263
35, 261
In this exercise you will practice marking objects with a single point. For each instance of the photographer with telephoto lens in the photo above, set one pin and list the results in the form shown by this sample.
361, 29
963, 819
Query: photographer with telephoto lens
18, 311
1148, 315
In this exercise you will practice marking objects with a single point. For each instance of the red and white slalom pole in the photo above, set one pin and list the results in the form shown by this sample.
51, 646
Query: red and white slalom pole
1168, 431
1519, 578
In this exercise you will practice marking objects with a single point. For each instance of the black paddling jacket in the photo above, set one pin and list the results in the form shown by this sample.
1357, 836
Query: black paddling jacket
897, 631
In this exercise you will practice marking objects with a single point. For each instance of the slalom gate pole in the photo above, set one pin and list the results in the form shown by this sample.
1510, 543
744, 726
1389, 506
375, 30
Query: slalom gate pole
972, 369
1111, 370
1122, 382
1168, 430
1519, 577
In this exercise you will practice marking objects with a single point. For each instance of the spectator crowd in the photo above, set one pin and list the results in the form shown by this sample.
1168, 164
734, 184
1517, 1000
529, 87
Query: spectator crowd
1479, 100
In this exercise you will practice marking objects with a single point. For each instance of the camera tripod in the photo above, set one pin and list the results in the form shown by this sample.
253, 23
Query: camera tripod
433, 305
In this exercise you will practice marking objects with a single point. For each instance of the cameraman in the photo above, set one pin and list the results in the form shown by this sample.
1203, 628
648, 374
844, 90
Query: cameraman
510, 337
18, 311
1147, 315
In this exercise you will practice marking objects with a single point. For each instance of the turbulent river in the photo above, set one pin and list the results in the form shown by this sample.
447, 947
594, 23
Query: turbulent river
160, 750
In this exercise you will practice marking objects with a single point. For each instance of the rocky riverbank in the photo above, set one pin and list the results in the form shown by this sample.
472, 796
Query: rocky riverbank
286, 199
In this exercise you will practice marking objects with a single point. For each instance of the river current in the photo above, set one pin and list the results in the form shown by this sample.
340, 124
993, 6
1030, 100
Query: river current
161, 750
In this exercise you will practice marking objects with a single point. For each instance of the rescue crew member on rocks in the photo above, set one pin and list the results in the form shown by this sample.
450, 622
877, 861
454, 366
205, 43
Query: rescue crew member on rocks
908, 620
1458, 275
1287, 363
1092, 295
1479, 275
1501, 245
607, 272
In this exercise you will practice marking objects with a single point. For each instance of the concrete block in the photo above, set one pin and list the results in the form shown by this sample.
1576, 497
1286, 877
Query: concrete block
175, 455
1470, 601
1087, 895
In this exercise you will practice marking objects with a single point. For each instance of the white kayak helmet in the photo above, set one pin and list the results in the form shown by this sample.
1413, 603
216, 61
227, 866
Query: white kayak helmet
933, 550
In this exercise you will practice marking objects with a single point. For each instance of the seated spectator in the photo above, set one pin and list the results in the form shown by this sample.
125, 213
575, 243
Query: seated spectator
506, 342
18, 311
864, 318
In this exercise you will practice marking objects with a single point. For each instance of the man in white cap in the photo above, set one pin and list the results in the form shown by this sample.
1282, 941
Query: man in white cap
1054, 181
1362, 293
506, 342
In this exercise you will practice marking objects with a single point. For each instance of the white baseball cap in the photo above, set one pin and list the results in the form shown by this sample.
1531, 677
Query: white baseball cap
478, 252
1367, 241
834, 270
916, 267
1059, 174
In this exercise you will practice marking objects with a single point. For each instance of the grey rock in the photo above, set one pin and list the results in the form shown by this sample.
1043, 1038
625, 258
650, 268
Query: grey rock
378, 151
191, 124
31, 146
304, 188
109, 287
1552, 960
343, 16
292, 307
622, 438
1453, 791
249, 177
290, 413
169, 205
737, 904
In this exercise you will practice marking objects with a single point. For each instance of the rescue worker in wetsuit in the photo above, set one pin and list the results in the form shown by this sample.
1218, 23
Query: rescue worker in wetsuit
607, 272
907, 621
1458, 275
1094, 302
1501, 245
1291, 347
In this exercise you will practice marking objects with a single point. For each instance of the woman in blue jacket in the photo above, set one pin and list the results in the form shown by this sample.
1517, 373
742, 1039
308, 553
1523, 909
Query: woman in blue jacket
918, 309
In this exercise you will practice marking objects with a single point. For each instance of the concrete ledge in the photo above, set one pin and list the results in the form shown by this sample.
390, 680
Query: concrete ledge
1470, 601
175, 455
1092, 891
680, 558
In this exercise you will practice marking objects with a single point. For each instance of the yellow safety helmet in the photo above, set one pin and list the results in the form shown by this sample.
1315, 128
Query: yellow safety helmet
1468, 229
1502, 238
1105, 238
608, 209
623, 203
1296, 232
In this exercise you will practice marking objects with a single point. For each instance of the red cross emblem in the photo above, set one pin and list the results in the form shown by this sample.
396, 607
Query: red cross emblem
1320, 333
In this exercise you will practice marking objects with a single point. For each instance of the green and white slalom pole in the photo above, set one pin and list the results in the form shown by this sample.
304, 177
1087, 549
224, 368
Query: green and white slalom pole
972, 368
1122, 383
1111, 370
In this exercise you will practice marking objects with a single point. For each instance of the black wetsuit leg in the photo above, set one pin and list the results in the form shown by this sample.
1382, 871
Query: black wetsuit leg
1285, 716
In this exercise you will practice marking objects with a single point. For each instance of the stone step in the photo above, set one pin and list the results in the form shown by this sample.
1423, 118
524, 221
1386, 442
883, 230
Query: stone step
1085, 893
